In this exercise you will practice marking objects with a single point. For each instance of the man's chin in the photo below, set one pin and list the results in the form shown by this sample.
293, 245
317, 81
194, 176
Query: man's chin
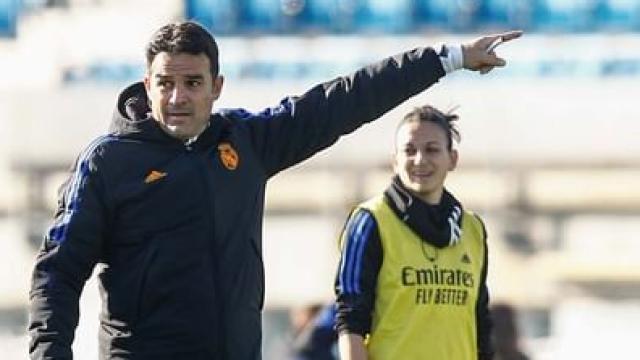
176, 131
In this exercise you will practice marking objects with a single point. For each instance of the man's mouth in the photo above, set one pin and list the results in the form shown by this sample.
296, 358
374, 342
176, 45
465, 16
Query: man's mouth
177, 117
179, 114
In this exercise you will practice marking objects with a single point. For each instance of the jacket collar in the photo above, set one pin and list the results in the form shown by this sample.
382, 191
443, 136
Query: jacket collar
439, 225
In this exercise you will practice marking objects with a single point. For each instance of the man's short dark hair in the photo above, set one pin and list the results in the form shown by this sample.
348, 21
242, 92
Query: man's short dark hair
184, 37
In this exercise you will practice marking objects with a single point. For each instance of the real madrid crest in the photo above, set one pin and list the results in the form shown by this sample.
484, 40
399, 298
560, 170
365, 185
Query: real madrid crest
228, 156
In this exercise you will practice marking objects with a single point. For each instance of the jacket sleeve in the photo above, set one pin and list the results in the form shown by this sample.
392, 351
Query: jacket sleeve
301, 126
65, 260
483, 318
357, 275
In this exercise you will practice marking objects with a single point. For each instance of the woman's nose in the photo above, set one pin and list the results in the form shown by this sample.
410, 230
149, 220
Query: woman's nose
420, 157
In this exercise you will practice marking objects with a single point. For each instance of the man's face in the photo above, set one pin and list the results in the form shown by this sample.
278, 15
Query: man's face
422, 159
182, 92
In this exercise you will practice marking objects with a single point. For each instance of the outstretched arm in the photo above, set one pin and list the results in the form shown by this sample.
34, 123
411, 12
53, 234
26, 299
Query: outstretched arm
301, 126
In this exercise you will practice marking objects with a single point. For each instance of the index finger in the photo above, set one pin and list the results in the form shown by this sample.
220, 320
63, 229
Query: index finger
510, 35
490, 42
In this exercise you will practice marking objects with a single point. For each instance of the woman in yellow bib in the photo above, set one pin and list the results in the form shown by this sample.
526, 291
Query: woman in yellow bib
411, 283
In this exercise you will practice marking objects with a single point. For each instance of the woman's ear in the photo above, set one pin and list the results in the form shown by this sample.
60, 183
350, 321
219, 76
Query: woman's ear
453, 159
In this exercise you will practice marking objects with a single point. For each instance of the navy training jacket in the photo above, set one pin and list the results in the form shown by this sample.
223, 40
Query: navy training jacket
177, 229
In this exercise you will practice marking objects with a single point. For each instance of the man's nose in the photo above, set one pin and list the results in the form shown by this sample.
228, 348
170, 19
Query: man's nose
178, 95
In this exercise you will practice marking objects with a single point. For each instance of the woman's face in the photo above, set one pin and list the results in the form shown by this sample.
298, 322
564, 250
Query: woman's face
422, 159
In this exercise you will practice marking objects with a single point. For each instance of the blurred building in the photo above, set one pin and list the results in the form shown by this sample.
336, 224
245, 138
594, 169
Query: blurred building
548, 154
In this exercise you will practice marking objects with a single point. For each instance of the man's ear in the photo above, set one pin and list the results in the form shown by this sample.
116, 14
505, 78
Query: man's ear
218, 82
453, 157
147, 86
146, 81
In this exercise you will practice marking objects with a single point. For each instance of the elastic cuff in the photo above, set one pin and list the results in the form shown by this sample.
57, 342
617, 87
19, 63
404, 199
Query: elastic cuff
451, 57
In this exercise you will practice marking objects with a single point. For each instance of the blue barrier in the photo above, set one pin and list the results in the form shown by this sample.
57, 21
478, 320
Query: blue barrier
566, 15
9, 10
403, 16
221, 16
318, 16
507, 14
327, 14
459, 15
261, 15
619, 15
384, 16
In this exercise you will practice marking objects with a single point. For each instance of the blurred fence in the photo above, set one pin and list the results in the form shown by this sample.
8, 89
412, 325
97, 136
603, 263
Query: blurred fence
403, 16
8, 17
380, 16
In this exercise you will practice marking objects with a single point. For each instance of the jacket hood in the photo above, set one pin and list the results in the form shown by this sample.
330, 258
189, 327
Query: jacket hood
132, 109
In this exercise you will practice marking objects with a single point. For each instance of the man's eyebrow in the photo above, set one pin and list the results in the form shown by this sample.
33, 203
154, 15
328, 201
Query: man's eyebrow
190, 77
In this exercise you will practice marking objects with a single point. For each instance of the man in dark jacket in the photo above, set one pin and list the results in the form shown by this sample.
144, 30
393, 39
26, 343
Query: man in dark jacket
170, 202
